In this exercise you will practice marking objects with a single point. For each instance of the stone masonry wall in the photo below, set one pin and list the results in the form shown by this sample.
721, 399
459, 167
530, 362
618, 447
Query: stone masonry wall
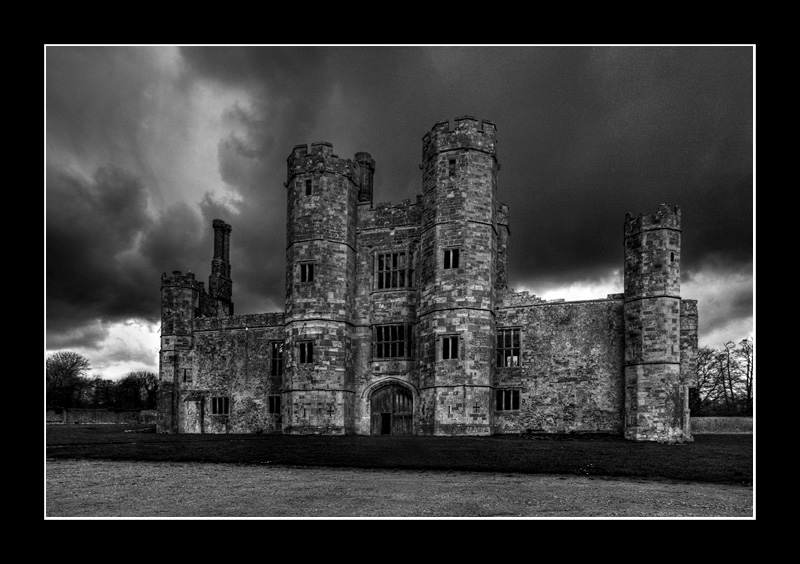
615, 365
322, 200
570, 374
656, 339
384, 230
235, 362
457, 300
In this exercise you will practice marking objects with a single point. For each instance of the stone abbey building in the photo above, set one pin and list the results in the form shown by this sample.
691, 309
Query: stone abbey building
399, 320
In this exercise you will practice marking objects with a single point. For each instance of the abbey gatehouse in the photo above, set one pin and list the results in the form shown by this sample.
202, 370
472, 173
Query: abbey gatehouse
399, 319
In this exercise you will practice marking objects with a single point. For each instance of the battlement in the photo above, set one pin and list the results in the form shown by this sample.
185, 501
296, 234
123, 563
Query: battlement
385, 214
318, 160
178, 278
667, 217
516, 299
467, 133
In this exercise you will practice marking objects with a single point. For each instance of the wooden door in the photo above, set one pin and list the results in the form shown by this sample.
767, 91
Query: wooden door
392, 411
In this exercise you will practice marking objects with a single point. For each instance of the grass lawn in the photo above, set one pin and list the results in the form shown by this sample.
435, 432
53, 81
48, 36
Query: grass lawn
723, 459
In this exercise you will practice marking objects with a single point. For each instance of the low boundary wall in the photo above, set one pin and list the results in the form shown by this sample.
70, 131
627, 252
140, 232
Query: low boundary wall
722, 425
101, 416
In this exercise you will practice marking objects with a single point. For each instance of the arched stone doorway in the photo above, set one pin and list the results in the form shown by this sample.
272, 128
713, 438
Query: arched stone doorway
392, 409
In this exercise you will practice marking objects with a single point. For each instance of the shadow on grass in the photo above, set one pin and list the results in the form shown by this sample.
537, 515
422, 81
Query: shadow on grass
724, 459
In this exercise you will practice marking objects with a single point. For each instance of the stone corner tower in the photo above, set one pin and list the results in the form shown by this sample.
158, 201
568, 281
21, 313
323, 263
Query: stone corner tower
657, 349
318, 383
181, 295
457, 277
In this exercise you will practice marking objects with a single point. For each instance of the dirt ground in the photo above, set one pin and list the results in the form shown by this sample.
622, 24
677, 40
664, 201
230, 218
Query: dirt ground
104, 489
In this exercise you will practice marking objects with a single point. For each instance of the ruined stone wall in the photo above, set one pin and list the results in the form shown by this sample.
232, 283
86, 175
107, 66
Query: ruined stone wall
570, 374
232, 358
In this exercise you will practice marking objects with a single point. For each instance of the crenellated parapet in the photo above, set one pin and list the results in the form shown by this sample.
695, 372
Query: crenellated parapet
467, 133
181, 279
517, 299
652, 245
667, 217
181, 297
320, 159
387, 215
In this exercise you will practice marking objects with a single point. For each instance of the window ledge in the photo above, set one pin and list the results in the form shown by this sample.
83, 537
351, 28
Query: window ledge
392, 359
403, 289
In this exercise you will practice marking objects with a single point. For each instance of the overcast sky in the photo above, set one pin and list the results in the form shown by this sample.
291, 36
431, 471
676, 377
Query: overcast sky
145, 146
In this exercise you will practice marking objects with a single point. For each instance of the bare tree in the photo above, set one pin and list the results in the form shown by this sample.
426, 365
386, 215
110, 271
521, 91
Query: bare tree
725, 380
744, 354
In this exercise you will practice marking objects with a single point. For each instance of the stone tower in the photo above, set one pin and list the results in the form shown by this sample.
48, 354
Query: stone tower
654, 389
457, 277
180, 303
320, 276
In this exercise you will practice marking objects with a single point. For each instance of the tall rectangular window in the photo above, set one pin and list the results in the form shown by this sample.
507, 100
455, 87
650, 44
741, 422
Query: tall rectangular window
305, 352
451, 258
449, 347
451, 167
507, 400
220, 405
392, 341
273, 404
308, 188
393, 270
306, 272
508, 348
276, 358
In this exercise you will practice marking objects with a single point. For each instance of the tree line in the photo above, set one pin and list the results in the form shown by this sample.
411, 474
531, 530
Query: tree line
69, 385
724, 380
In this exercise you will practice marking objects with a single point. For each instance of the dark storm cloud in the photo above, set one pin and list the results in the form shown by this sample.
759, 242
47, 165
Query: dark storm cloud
179, 241
585, 135
625, 130
296, 78
91, 226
